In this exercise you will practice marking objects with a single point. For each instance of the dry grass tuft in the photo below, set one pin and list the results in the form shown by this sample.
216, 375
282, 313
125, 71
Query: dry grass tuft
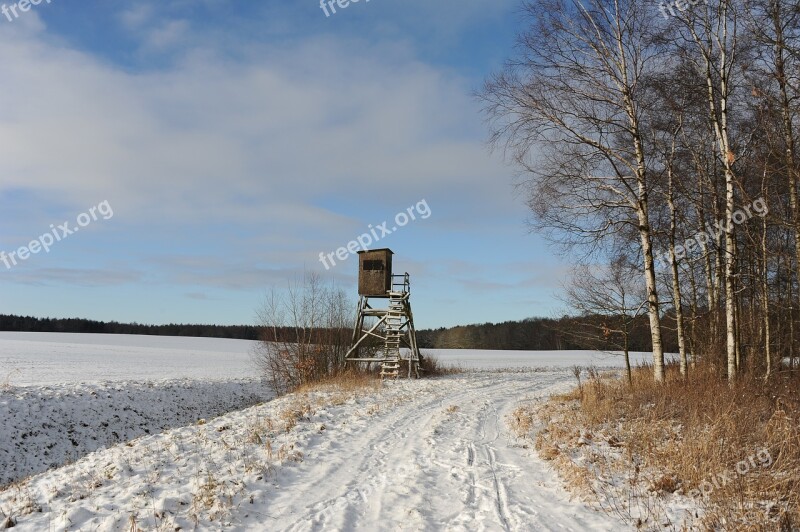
23, 501
297, 411
665, 484
213, 499
350, 381
734, 449
206, 494
521, 421
287, 453
5, 382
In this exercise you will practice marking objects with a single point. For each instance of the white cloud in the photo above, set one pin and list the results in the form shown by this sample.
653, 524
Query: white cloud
277, 127
258, 141
168, 35
137, 15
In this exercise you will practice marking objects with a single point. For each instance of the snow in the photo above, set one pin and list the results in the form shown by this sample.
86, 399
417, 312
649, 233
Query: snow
52, 358
433, 454
134, 420
48, 426
487, 359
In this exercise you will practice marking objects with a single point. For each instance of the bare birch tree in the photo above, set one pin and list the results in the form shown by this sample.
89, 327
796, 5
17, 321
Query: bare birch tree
614, 291
708, 36
569, 111
774, 26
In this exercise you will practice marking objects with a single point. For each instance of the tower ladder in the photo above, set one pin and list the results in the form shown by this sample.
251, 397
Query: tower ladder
395, 316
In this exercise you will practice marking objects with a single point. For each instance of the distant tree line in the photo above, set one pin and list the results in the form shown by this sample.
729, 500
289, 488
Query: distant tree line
534, 334
79, 325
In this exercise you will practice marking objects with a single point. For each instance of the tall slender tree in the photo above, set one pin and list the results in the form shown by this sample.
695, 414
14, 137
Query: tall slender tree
569, 110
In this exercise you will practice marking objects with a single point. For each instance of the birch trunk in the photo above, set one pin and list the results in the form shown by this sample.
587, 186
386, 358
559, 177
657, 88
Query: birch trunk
676, 287
643, 215
652, 295
788, 134
765, 295
719, 121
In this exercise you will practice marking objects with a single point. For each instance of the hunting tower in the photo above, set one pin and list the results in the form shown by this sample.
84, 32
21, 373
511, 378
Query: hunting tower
391, 324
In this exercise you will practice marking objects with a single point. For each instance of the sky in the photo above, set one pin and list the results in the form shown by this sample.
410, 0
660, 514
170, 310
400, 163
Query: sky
210, 150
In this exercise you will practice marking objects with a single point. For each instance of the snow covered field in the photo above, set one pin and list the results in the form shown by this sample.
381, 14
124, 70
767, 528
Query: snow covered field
63, 396
475, 359
48, 426
52, 358
414, 455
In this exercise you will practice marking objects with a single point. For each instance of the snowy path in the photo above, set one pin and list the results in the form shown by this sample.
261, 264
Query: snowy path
426, 466
432, 454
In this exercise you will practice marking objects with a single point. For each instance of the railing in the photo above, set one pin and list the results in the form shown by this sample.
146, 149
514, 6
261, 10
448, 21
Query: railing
405, 284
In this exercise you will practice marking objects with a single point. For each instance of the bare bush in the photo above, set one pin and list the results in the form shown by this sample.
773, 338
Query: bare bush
430, 366
305, 332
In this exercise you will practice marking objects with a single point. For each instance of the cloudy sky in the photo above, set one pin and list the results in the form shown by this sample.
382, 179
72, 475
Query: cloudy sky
236, 140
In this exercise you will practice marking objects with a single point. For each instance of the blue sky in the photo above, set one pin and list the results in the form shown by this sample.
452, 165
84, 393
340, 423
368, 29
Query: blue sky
236, 140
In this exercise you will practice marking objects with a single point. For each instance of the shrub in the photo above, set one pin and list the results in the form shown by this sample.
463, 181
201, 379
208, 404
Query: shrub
304, 332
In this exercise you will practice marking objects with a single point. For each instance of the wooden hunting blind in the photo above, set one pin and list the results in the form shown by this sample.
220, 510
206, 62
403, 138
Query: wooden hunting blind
384, 335
375, 272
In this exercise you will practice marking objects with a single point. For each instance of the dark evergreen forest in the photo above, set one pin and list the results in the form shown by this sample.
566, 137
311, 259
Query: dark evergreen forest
588, 332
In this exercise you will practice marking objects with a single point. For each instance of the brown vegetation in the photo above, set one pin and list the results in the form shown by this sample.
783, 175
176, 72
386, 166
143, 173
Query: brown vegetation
318, 318
349, 381
735, 449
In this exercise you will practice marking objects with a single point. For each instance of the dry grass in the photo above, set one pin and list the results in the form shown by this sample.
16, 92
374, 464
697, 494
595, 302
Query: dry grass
5, 382
299, 410
351, 380
334, 390
521, 421
689, 437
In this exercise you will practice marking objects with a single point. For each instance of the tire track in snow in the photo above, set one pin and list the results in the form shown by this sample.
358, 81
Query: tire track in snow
417, 466
337, 508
